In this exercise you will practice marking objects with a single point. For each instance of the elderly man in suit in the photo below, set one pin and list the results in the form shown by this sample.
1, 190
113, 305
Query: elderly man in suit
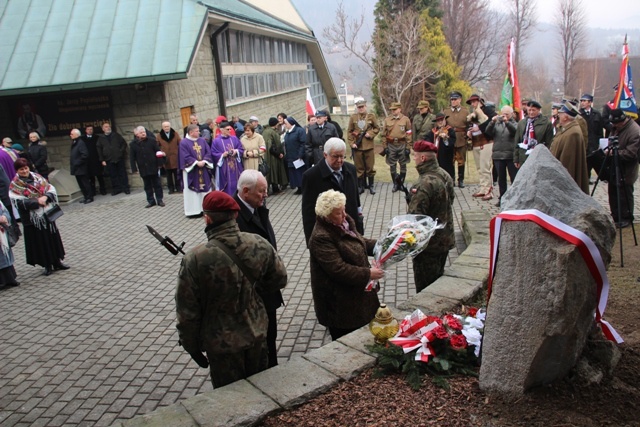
254, 218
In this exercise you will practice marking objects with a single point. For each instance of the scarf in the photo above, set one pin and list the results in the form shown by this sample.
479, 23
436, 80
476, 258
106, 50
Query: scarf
32, 188
529, 140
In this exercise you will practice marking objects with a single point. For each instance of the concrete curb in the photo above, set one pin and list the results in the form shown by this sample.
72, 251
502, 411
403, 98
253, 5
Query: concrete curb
247, 402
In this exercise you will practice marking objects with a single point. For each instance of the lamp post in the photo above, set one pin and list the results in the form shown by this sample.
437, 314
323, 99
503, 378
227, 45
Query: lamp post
346, 102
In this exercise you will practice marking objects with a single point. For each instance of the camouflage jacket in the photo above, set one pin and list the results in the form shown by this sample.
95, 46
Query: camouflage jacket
433, 196
218, 308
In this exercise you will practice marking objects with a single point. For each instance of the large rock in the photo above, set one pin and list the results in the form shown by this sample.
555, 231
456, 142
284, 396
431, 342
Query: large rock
543, 297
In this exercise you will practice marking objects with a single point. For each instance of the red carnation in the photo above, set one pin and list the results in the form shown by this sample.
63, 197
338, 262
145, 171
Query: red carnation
453, 323
458, 342
431, 319
441, 333
472, 311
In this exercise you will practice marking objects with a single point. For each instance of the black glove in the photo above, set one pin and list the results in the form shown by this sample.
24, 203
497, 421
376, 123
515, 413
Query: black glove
200, 359
386, 151
407, 152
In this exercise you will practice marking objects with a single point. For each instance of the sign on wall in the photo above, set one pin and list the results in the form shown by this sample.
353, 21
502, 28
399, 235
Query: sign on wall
56, 115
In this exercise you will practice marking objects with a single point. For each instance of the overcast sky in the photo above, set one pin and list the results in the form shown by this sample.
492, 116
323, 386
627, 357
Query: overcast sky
600, 13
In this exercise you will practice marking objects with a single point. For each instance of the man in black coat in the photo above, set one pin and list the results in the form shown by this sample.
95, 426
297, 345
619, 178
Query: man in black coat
79, 165
96, 169
332, 173
254, 218
318, 134
112, 150
595, 131
143, 153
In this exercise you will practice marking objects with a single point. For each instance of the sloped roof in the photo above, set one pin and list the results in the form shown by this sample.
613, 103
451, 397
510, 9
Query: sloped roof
57, 45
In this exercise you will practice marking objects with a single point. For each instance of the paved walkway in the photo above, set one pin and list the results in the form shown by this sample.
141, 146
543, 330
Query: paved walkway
98, 342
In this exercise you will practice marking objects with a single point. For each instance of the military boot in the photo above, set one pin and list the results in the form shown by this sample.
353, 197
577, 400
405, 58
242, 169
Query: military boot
360, 185
371, 190
395, 184
401, 180
461, 176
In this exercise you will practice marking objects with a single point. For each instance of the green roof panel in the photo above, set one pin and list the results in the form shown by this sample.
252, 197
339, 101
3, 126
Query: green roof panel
71, 44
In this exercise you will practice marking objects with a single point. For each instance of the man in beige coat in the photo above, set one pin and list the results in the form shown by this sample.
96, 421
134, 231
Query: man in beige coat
569, 147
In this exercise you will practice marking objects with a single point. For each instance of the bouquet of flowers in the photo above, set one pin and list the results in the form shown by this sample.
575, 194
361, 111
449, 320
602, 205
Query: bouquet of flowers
407, 235
438, 345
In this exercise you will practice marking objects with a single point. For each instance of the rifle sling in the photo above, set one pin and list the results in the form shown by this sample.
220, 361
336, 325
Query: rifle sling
236, 260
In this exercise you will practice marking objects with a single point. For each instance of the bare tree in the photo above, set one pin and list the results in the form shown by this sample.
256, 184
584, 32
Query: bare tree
477, 37
396, 56
571, 26
522, 17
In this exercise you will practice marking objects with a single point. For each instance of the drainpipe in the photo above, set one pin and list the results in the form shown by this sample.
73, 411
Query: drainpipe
218, 68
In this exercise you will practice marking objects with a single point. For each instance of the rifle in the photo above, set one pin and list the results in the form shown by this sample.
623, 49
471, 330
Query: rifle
398, 181
167, 242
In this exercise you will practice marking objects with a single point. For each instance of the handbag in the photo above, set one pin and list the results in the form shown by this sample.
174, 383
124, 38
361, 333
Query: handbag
263, 167
53, 212
13, 233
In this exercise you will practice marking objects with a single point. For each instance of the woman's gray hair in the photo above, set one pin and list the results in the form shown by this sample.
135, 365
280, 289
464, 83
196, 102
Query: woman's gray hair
334, 144
328, 201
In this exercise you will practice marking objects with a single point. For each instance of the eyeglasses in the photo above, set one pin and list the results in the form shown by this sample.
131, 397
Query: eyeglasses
337, 156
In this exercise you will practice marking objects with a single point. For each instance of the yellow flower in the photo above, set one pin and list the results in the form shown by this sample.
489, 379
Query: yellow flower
409, 238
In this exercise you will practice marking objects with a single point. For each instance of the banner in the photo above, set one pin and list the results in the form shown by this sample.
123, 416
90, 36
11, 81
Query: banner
311, 109
625, 98
510, 89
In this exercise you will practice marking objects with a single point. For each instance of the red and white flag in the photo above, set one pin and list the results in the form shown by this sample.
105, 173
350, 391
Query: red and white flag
311, 109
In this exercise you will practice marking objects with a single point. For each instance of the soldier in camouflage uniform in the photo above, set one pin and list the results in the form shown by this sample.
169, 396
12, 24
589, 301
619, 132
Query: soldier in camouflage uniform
457, 119
397, 143
423, 121
218, 308
433, 196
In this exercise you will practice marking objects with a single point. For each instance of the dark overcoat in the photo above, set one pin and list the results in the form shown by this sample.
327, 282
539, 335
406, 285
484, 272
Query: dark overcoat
340, 272
79, 158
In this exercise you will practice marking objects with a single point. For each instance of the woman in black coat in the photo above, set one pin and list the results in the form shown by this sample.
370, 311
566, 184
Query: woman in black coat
340, 269
38, 153
294, 140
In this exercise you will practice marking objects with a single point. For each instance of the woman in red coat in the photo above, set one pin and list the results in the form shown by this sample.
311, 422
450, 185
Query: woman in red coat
340, 268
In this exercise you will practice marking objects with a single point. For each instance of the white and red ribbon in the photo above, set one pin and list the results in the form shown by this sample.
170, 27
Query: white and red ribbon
585, 245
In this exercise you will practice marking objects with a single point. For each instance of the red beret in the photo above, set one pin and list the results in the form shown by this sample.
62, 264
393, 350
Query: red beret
218, 201
424, 146
221, 119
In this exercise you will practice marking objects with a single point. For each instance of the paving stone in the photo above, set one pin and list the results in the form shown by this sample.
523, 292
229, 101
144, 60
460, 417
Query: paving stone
237, 404
293, 382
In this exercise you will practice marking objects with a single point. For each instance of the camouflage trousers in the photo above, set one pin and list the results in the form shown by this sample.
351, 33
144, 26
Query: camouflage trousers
427, 268
227, 368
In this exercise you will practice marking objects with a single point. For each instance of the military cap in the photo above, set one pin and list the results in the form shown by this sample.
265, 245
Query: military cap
556, 105
567, 110
424, 104
321, 113
586, 97
17, 147
424, 146
617, 116
360, 102
441, 116
395, 105
455, 94
273, 121
533, 103
218, 201
253, 119
474, 97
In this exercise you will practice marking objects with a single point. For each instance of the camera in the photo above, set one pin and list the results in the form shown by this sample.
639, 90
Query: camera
613, 140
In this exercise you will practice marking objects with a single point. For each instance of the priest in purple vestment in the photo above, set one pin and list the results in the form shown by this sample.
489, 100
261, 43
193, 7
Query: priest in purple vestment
227, 152
195, 163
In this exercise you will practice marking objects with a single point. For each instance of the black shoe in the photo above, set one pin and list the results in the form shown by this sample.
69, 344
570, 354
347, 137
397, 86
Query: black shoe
127, 191
161, 204
12, 285
623, 224
103, 192
150, 205
115, 193
61, 266
47, 271
83, 201
461, 184
171, 192
88, 201
298, 191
